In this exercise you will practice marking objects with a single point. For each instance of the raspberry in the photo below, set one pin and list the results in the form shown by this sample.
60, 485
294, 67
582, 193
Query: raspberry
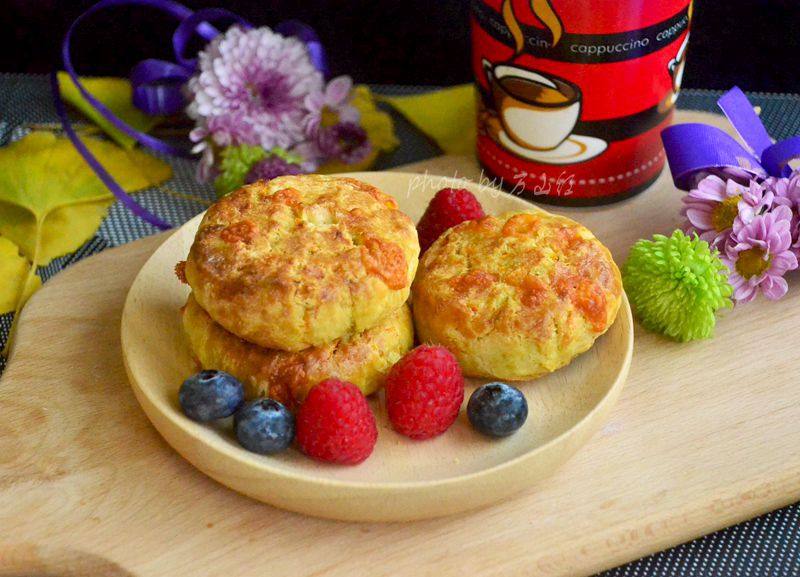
448, 208
335, 424
424, 392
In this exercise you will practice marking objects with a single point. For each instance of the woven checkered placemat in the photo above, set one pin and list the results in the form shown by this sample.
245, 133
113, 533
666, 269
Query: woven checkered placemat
766, 546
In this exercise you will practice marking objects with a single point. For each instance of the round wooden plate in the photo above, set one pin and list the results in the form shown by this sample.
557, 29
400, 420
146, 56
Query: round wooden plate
403, 479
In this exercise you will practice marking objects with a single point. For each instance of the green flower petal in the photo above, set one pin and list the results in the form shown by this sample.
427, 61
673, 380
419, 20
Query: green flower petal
676, 285
235, 163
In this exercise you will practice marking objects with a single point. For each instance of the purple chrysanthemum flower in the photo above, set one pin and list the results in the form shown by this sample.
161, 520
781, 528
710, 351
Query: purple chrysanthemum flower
346, 141
743, 174
272, 167
758, 255
714, 204
206, 170
335, 99
251, 88
756, 199
787, 193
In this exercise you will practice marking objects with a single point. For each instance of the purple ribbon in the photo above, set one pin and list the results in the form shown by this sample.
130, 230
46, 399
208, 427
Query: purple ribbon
98, 167
694, 150
156, 84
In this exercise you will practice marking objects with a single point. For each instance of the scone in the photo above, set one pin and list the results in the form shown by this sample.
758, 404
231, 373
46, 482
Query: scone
299, 261
363, 360
516, 296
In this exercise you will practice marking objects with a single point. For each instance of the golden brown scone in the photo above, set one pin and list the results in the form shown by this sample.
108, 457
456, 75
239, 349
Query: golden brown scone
515, 296
363, 360
302, 260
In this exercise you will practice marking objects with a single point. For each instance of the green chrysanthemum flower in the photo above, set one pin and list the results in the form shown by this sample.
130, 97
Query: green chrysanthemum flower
676, 285
235, 163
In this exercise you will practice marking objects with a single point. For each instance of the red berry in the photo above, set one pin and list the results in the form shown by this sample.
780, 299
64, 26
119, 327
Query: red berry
424, 392
335, 424
448, 208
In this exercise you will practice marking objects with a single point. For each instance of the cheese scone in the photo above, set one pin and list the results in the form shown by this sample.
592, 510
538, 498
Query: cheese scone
300, 261
362, 359
515, 296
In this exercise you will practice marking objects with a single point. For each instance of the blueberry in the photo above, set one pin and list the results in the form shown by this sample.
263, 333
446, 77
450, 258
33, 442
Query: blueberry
210, 395
264, 426
497, 409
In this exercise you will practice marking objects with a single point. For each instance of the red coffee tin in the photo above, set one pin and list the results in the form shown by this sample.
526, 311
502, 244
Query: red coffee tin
573, 94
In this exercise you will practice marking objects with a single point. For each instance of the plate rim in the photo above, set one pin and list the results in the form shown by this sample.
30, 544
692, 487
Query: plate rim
267, 469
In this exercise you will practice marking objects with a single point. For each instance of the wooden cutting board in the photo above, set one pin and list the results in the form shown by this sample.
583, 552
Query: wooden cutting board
705, 435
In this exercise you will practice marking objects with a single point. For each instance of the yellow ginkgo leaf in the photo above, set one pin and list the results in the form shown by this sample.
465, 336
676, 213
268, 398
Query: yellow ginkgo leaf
14, 270
82, 220
50, 200
447, 116
115, 93
379, 127
376, 122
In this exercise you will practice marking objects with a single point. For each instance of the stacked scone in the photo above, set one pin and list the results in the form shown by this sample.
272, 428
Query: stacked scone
301, 279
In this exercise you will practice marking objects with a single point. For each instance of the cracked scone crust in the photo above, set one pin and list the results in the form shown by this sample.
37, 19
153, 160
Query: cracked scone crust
363, 359
302, 260
516, 296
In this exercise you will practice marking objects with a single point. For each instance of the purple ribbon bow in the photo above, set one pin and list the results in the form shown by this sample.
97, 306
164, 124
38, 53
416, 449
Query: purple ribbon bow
694, 150
157, 84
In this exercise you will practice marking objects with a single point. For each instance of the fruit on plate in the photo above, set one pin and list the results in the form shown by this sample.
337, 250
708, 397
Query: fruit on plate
335, 424
449, 207
497, 409
517, 295
210, 395
424, 392
264, 426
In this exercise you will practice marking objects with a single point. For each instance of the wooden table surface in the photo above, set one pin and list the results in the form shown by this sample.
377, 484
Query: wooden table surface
705, 435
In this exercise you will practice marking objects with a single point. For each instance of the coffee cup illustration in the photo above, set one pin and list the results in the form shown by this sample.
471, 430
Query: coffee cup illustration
537, 111
566, 89
677, 65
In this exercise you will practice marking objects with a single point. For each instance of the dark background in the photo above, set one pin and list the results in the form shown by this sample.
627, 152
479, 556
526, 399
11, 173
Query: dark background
752, 43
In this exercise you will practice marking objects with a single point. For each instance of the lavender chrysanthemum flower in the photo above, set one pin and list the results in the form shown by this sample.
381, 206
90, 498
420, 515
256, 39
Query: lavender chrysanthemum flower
206, 169
714, 204
272, 167
758, 255
787, 193
334, 100
251, 88
346, 141
756, 200
743, 174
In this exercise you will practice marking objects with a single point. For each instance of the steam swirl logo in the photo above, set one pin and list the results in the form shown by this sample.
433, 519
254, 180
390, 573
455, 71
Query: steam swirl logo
543, 10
